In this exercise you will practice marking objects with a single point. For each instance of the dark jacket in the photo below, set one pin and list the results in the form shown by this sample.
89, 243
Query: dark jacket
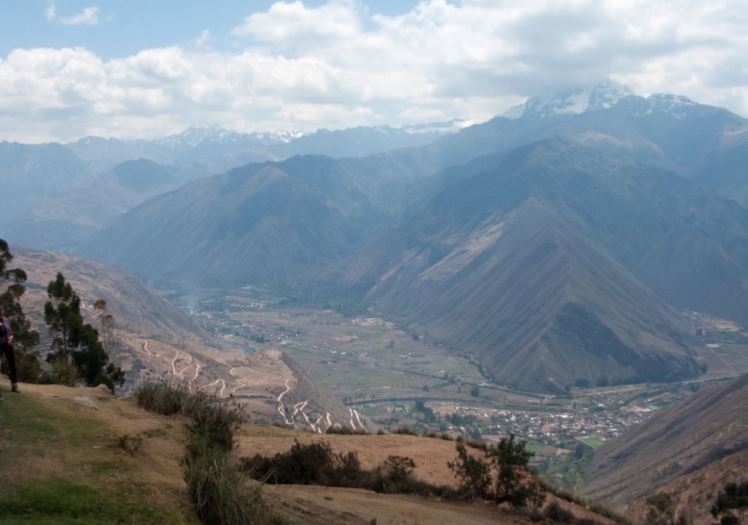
5, 333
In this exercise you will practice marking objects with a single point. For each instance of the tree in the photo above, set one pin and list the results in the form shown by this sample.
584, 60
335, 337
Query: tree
75, 341
473, 472
107, 325
660, 510
12, 285
515, 484
733, 497
508, 464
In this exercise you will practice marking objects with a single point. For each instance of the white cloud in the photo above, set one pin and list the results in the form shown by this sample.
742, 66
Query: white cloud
89, 16
50, 12
203, 38
339, 64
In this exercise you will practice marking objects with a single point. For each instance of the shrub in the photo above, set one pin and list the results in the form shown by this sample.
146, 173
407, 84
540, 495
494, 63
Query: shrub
221, 495
61, 373
307, 464
395, 475
217, 417
348, 431
130, 444
406, 431
317, 464
162, 397
556, 514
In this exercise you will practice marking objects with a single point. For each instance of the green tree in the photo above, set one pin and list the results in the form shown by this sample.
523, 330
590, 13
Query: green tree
473, 472
733, 498
106, 321
515, 483
508, 465
12, 288
75, 341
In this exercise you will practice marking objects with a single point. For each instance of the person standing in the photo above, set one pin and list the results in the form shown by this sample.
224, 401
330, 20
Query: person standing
6, 349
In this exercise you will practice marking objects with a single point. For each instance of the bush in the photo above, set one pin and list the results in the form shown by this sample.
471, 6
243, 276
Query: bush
406, 431
220, 494
317, 464
130, 444
556, 514
307, 464
395, 475
217, 417
348, 431
61, 373
162, 397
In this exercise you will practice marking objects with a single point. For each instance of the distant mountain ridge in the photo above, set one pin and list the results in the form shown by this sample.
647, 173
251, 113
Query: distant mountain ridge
572, 234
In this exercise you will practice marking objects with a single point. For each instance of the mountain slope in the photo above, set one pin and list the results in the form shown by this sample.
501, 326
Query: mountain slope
29, 174
705, 434
261, 222
67, 221
505, 265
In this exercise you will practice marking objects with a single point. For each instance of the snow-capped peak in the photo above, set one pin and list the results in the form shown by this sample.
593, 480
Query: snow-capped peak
572, 101
199, 135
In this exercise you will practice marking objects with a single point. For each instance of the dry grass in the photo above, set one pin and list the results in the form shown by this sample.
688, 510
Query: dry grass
431, 455
55, 448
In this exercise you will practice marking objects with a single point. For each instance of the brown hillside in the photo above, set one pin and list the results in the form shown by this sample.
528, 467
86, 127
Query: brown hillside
688, 450
61, 462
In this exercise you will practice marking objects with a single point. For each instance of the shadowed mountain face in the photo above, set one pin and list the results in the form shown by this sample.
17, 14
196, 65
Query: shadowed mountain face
512, 264
708, 429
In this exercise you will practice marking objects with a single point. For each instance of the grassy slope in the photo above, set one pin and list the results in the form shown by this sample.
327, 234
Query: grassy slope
60, 462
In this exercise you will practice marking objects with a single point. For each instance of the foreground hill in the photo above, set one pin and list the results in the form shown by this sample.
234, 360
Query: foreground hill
79, 455
689, 451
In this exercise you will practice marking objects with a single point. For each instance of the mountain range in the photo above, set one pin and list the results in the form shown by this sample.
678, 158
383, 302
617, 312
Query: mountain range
557, 245
66, 193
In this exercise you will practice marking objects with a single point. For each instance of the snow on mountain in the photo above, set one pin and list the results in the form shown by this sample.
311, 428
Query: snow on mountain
675, 105
601, 96
572, 101
200, 135
437, 128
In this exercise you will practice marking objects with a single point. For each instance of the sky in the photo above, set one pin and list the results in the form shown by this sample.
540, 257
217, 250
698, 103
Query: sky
145, 69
